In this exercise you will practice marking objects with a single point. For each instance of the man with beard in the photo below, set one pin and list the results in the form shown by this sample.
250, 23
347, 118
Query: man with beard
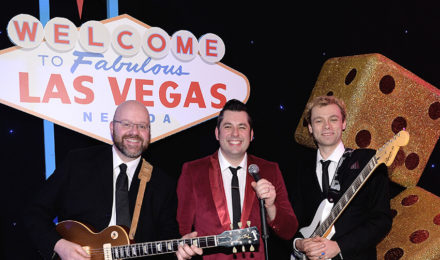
83, 188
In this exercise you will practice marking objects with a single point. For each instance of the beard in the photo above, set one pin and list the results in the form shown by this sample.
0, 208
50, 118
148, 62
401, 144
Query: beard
119, 143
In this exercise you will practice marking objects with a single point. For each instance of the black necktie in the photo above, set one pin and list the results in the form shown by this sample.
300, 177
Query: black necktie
122, 204
235, 192
325, 181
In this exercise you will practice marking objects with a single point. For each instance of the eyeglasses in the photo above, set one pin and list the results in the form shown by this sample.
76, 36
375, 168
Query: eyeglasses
129, 125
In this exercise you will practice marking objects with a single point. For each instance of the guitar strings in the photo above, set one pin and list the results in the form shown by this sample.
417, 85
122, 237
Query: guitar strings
152, 246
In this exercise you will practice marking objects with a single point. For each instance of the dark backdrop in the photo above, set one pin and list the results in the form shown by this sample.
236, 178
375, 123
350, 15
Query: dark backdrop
279, 47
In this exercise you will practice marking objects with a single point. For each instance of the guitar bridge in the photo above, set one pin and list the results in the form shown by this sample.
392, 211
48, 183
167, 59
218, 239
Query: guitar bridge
87, 249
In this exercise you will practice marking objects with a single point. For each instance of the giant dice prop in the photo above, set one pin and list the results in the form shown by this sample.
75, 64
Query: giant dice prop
383, 98
415, 234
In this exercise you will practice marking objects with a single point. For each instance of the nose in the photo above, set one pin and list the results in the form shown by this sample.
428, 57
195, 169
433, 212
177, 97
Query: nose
327, 125
134, 129
235, 131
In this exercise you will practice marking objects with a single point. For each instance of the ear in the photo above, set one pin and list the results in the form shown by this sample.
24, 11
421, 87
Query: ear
344, 124
216, 133
252, 135
310, 128
111, 126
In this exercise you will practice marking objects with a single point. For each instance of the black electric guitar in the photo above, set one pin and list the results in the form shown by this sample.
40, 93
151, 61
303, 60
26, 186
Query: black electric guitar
114, 243
385, 154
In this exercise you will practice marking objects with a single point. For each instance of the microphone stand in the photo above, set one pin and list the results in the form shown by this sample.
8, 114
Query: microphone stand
253, 171
264, 233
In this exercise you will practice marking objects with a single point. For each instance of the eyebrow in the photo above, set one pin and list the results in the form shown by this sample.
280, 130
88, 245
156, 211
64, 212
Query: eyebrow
322, 117
240, 124
129, 121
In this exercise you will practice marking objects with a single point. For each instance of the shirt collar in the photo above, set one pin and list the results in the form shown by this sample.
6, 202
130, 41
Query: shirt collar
335, 156
224, 164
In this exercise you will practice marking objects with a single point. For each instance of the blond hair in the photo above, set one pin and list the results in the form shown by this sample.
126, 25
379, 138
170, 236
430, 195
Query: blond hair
322, 101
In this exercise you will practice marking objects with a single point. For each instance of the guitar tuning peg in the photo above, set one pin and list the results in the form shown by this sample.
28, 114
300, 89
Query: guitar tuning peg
248, 223
239, 224
243, 249
234, 250
252, 249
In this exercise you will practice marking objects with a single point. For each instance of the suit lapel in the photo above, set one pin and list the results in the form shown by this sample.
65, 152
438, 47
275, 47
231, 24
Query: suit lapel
218, 191
249, 195
105, 178
343, 170
309, 181
219, 197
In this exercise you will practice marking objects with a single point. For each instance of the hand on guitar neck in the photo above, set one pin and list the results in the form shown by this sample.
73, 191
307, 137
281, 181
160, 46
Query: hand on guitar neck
318, 247
186, 251
69, 250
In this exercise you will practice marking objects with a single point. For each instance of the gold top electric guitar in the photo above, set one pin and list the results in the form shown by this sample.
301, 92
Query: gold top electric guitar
114, 243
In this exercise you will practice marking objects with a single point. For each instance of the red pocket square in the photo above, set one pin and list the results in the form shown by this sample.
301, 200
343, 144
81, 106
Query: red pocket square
354, 166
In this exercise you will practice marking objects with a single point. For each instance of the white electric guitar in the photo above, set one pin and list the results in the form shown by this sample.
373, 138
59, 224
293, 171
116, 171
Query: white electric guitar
385, 154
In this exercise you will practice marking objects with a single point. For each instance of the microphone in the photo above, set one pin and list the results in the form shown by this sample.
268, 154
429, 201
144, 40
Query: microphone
254, 171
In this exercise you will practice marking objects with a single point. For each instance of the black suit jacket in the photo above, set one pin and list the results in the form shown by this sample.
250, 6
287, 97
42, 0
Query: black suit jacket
81, 189
365, 221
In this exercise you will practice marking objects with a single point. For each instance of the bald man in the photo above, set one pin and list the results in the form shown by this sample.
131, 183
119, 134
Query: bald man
83, 188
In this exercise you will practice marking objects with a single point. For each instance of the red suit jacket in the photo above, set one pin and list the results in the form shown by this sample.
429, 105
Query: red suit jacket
202, 205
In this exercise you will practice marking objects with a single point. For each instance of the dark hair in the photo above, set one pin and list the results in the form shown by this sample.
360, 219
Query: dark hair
234, 105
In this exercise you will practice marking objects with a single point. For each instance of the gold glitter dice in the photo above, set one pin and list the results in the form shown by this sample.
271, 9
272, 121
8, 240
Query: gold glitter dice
415, 233
382, 98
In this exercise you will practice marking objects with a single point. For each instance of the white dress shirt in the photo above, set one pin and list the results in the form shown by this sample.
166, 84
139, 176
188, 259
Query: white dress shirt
131, 168
334, 160
227, 178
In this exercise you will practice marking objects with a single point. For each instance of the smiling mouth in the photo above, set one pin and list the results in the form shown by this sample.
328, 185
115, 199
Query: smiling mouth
235, 142
133, 140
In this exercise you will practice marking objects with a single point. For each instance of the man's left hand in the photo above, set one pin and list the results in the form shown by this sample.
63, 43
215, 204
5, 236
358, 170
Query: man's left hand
266, 191
186, 251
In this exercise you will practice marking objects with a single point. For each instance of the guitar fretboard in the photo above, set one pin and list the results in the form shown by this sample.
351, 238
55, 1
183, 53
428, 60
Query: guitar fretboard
159, 247
346, 197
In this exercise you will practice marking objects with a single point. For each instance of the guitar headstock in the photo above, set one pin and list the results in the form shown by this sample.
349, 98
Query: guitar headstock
239, 237
388, 151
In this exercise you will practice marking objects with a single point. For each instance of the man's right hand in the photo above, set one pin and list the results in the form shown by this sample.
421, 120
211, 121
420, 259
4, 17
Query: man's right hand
318, 248
67, 250
310, 247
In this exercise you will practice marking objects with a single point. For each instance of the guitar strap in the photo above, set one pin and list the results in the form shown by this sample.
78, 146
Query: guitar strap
144, 176
335, 185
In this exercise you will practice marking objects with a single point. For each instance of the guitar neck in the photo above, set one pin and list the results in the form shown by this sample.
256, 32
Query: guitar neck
345, 199
160, 247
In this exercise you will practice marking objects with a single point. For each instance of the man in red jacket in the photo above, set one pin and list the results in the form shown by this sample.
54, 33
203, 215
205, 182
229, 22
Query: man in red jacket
207, 188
